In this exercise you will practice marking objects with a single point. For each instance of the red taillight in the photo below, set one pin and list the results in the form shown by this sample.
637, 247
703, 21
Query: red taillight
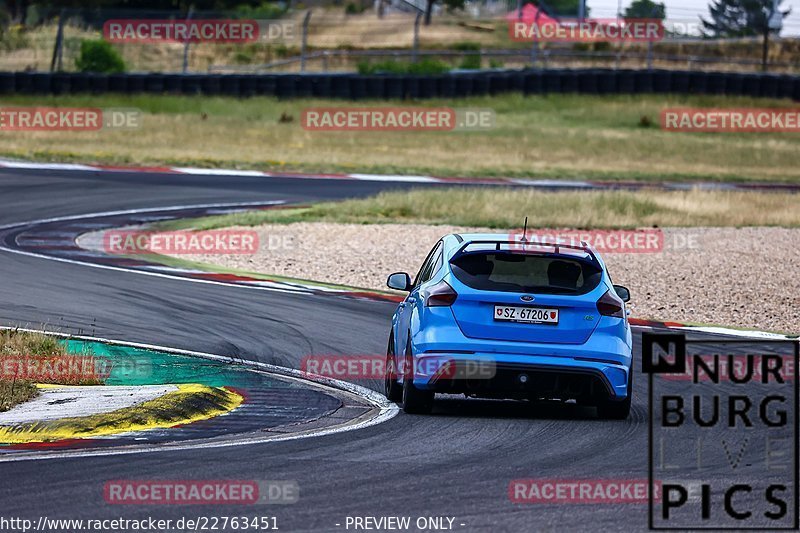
610, 305
440, 295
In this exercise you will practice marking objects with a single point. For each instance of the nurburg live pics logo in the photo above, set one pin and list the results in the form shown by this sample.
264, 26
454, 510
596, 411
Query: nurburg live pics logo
723, 439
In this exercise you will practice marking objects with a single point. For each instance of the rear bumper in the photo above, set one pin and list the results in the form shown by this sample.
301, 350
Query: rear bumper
523, 376
598, 367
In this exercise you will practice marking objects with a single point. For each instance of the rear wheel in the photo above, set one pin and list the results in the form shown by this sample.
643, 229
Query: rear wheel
392, 389
612, 410
415, 401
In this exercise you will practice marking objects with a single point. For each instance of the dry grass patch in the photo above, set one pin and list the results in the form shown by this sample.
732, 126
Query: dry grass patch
506, 208
15, 392
556, 136
24, 353
328, 29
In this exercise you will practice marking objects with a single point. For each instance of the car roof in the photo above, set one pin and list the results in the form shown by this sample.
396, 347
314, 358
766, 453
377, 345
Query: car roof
484, 236
472, 237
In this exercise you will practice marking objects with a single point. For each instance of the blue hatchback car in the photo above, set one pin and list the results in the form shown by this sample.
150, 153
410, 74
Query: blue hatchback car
494, 316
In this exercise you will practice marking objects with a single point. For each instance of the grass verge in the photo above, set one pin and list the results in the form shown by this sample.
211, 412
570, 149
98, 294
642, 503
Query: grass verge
23, 354
12, 393
507, 208
178, 262
554, 136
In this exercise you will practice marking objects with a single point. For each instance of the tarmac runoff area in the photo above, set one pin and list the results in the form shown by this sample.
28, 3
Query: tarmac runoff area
56, 402
156, 398
65, 413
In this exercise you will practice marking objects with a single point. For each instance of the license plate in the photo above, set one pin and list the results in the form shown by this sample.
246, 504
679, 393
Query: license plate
527, 315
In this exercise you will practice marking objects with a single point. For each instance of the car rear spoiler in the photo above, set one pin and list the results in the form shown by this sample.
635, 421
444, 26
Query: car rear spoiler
520, 245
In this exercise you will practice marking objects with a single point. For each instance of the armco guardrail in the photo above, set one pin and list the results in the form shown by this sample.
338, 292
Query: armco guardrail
454, 84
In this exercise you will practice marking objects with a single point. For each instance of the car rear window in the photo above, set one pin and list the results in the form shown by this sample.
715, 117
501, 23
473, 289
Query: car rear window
514, 272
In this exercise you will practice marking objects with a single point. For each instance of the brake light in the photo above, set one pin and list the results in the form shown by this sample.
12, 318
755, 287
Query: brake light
610, 305
440, 295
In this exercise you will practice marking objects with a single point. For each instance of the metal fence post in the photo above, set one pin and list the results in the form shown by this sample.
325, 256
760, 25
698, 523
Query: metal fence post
535, 44
58, 48
186, 44
415, 45
304, 43
650, 41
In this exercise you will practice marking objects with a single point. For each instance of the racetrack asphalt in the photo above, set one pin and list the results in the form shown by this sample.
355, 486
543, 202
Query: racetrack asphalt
457, 462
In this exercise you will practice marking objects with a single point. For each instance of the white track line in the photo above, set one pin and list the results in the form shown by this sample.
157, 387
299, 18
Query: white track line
45, 166
388, 410
402, 179
142, 210
143, 272
750, 334
220, 172
216, 172
528, 182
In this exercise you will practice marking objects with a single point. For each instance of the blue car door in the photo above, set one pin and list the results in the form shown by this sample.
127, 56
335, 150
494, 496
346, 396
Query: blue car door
406, 309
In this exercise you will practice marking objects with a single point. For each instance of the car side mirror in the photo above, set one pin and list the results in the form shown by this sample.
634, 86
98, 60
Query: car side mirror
399, 281
623, 293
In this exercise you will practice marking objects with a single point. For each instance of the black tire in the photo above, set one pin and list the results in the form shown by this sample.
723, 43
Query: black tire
392, 389
415, 401
611, 410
